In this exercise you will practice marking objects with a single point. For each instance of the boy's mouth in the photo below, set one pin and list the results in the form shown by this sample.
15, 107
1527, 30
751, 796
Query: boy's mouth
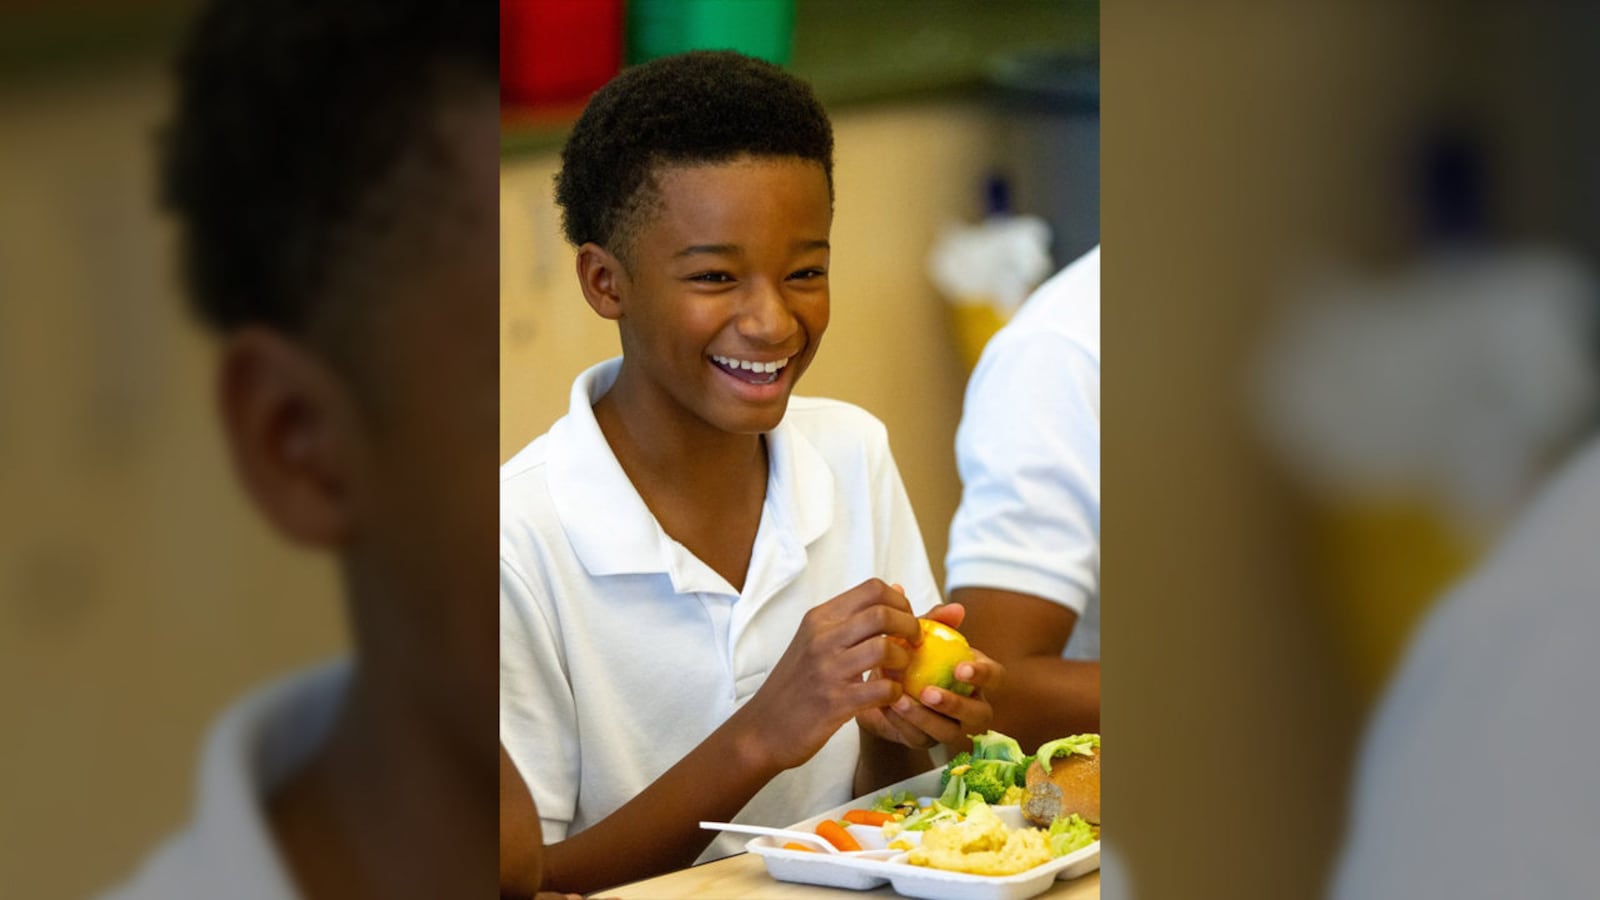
752, 371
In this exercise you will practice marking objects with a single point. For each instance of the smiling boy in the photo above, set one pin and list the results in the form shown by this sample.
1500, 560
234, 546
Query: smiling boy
693, 561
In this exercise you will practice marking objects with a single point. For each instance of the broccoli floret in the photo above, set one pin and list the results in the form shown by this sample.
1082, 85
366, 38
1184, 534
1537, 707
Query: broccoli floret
988, 782
1001, 773
1021, 779
960, 759
994, 745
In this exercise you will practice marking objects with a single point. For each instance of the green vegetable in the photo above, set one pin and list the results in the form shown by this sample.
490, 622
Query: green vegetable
1021, 779
1078, 744
994, 745
960, 759
893, 802
988, 779
995, 763
955, 792
1069, 833
931, 816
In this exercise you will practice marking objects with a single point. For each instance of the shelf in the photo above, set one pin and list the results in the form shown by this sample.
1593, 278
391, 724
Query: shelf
856, 52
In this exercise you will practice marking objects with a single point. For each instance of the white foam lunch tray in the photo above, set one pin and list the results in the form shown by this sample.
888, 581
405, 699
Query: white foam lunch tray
852, 873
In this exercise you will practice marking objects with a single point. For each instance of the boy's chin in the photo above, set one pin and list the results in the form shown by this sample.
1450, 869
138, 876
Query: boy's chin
755, 421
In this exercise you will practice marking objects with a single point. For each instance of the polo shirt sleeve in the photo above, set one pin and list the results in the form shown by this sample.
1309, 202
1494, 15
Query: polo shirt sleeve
1028, 450
538, 717
902, 556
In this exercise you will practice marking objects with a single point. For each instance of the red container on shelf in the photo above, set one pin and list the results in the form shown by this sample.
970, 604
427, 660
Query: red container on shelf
557, 51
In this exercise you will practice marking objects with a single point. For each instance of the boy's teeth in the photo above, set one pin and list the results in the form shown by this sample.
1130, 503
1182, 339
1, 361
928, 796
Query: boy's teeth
748, 365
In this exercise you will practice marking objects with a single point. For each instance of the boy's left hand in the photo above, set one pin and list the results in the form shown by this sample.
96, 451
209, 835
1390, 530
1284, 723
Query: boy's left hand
940, 716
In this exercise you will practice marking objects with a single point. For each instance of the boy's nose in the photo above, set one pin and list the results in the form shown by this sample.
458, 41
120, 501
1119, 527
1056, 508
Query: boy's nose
766, 316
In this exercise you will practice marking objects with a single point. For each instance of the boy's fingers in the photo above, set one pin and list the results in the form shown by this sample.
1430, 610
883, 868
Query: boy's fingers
872, 693
877, 620
908, 733
981, 672
949, 705
952, 614
876, 652
875, 591
929, 722
873, 720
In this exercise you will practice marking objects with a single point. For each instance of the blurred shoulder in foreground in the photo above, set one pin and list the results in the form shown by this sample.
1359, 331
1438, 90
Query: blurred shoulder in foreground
334, 171
1477, 777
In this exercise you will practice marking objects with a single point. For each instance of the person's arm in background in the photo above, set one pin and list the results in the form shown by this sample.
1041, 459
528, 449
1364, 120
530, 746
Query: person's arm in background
1024, 556
1044, 696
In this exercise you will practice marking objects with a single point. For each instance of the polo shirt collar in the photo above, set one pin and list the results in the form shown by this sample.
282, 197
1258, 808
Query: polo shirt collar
611, 529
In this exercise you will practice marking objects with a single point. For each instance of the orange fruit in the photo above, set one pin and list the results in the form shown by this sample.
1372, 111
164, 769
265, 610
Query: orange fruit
934, 661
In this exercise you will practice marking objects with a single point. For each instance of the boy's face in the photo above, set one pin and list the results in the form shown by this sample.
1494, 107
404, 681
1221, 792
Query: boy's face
726, 279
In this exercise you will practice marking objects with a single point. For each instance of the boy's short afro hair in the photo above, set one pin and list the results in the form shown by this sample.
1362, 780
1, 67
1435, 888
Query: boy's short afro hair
290, 117
706, 106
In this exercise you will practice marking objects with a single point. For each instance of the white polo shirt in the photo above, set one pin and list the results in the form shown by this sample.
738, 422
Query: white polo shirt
620, 651
228, 849
1028, 449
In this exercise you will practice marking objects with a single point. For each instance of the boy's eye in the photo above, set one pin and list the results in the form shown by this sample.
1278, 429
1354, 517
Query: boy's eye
805, 274
712, 277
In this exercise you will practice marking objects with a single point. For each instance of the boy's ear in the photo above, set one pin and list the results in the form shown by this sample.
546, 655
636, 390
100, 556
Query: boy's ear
601, 274
292, 432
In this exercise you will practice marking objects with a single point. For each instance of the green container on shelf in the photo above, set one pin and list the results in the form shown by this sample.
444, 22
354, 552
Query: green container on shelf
761, 28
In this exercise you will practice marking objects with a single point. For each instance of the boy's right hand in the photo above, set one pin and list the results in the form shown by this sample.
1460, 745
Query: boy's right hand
817, 686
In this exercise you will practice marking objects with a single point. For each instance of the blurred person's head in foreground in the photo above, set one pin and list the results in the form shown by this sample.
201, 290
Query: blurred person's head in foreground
334, 169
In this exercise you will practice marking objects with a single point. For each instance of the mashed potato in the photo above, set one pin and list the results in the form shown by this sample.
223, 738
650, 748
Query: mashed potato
982, 845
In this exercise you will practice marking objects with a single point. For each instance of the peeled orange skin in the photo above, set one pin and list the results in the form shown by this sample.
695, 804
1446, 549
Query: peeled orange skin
934, 661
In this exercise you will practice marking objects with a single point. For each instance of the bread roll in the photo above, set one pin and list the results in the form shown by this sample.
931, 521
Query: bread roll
1071, 786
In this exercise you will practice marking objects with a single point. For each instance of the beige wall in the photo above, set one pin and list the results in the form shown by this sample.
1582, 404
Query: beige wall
901, 172
1238, 141
139, 594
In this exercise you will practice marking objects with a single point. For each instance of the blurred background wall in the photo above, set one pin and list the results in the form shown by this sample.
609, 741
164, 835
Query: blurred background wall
139, 593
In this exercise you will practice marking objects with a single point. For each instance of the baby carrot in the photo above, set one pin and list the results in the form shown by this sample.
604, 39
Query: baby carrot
796, 845
867, 817
837, 836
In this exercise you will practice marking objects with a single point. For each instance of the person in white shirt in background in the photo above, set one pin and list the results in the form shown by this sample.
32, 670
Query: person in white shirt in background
334, 167
1024, 552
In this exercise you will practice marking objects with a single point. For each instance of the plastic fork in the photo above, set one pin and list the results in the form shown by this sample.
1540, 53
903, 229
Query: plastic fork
800, 836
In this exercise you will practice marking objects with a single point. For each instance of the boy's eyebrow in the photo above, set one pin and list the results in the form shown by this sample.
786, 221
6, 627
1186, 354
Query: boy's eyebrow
734, 249
713, 249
